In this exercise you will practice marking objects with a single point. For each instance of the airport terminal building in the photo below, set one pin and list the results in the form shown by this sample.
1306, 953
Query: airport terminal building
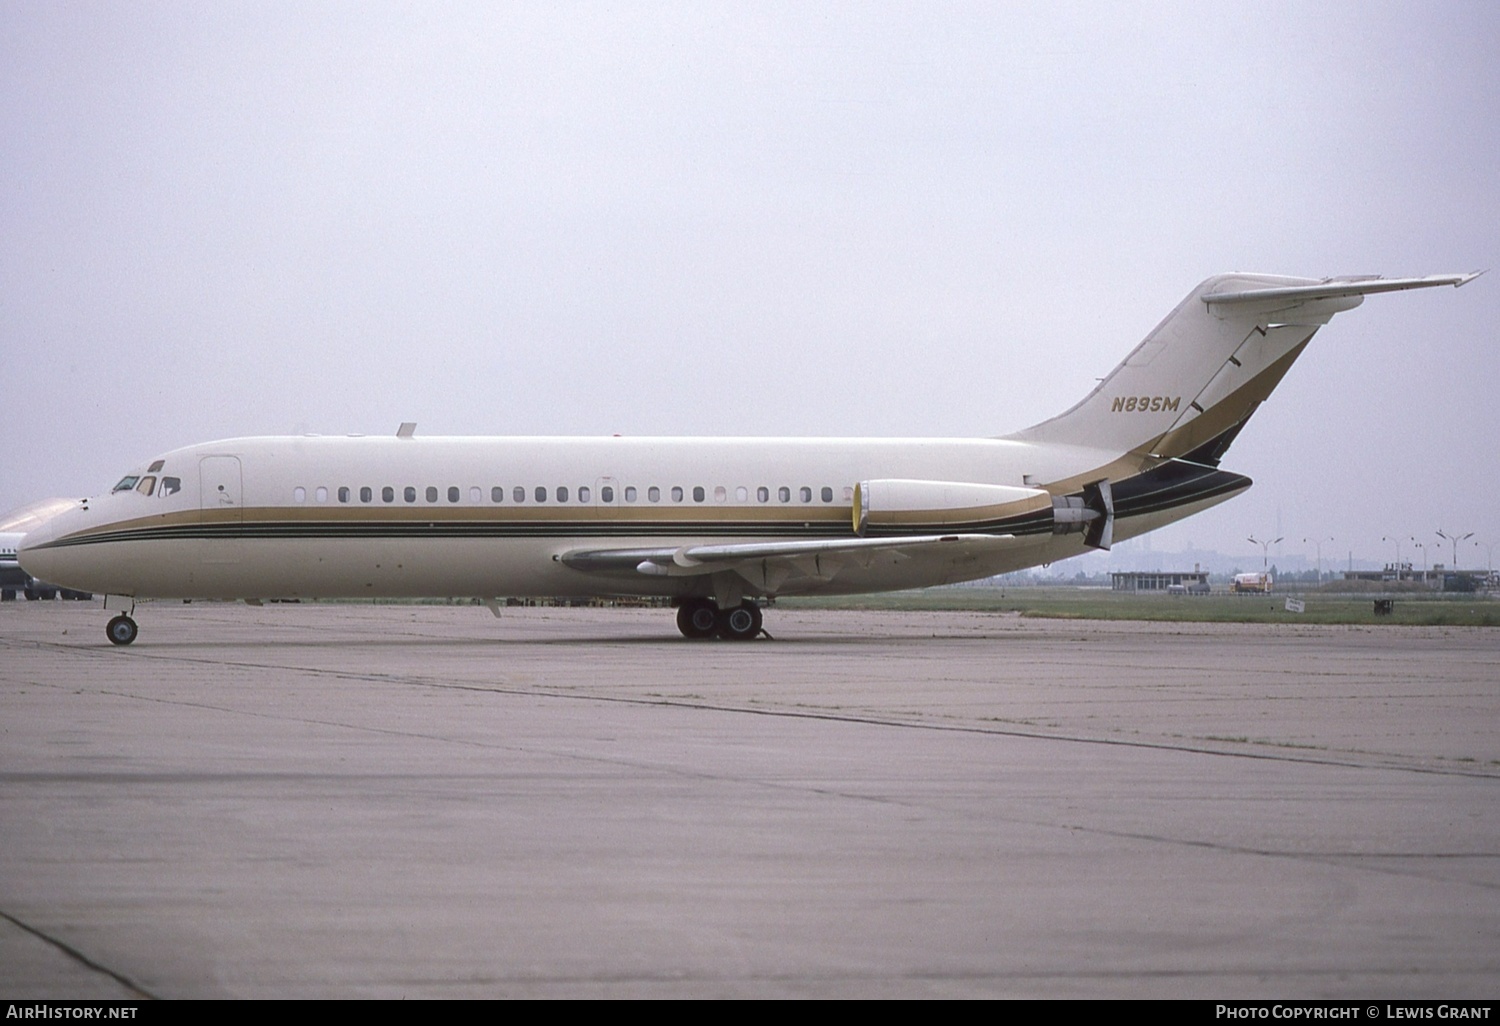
1194, 582
1439, 578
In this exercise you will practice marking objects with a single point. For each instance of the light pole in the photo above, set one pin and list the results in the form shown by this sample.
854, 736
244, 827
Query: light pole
1424, 557
1455, 539
1319, 543
1265, 548
1397, 564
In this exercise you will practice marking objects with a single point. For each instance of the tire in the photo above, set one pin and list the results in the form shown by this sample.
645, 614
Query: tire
697, 619
121, 630
742, 623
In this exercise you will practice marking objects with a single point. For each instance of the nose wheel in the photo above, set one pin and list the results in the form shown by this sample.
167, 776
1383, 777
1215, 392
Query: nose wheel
121, 630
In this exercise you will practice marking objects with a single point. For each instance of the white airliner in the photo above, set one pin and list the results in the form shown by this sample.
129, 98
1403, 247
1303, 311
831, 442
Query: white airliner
714, 523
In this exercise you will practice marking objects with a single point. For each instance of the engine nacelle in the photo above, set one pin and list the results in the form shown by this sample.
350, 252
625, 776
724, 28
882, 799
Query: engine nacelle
939, 504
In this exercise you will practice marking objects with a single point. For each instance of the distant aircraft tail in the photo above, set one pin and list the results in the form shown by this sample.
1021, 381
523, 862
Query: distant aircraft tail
1189, 387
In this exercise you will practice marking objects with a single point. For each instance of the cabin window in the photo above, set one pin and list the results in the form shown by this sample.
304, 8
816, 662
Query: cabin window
848, 493
387, 494
804, 493
677, 493
126, 483
365, 494
431, 494
410, 494
171, 486
147, 485
762, 494
475, 495
452, 493
518, 493
721, 494
343, 494
742, 494
541, 494
321, 494
827, 494
156, 466
562, 494
630, 493
784, 494
497, 494
299, 494
698, 493
583, 493
607, 494
653, 494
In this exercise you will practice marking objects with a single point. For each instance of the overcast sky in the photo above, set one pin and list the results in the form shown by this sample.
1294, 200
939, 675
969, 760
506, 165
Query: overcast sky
222, 219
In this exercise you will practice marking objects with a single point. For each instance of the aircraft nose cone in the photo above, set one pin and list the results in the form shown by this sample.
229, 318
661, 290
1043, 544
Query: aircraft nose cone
36, 561
41, 534
40, 557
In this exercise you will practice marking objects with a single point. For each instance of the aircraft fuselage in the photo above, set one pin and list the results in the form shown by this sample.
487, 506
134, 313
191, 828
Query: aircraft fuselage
334, 517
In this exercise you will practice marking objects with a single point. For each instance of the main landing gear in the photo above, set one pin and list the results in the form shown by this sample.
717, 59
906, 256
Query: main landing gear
122, 630
702, 618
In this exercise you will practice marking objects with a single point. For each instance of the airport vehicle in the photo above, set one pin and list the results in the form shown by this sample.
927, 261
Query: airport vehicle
1258, 582
715, 523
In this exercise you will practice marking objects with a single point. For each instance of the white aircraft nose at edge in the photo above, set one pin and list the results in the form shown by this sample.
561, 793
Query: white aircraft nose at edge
713, 523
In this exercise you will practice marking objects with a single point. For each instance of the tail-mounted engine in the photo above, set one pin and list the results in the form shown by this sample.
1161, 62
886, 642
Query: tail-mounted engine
940, 505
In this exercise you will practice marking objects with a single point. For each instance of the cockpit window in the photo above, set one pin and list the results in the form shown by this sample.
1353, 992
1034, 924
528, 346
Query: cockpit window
147, 485
156, 466
126, 483
170, 486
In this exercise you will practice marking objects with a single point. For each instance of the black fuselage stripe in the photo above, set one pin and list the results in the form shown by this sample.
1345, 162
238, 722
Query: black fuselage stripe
1165, 487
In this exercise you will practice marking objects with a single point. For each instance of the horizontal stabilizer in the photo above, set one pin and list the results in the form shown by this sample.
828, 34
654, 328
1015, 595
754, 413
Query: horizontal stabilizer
1338, 288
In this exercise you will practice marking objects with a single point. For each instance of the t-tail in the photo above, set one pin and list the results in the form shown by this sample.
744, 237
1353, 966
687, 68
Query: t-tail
1162, 420
1199, 376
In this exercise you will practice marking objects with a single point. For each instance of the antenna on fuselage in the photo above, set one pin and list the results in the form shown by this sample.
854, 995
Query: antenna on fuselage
407, 429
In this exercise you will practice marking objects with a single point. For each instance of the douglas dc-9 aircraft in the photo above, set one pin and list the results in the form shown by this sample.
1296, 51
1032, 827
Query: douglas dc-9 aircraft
716, 524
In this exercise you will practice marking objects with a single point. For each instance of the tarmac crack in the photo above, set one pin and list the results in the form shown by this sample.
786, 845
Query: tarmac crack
79, 957
1340, 858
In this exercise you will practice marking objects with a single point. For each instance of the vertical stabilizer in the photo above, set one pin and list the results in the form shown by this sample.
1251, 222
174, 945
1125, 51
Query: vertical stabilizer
1201, 373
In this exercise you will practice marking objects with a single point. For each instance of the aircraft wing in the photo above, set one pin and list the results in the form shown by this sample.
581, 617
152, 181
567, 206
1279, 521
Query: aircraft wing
770, 563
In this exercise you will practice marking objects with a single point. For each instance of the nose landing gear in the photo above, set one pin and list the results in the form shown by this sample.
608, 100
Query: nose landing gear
121, 630
702, 618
